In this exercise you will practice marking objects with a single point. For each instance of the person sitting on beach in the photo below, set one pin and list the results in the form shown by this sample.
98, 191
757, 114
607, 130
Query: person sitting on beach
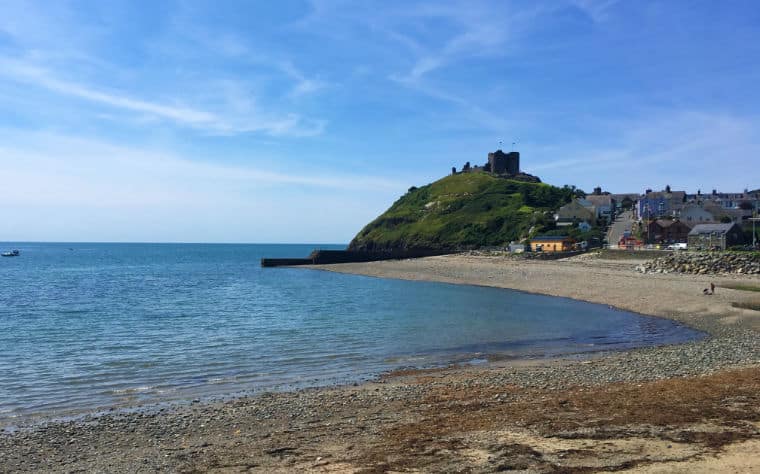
706, 291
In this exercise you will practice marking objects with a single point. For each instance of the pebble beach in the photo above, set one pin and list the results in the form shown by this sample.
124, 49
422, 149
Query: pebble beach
689, 407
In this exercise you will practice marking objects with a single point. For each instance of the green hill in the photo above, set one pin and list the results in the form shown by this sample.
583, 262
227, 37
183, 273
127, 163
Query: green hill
465, 210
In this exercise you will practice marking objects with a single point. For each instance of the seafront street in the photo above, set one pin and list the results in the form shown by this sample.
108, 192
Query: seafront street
691, 408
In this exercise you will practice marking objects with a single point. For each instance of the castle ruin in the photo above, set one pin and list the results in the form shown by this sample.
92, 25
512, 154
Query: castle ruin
506, 165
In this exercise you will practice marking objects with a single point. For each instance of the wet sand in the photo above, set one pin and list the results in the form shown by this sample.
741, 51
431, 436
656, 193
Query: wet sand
693, 407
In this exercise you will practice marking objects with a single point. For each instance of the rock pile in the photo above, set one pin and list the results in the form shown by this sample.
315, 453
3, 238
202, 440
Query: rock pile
699, 263
522, 255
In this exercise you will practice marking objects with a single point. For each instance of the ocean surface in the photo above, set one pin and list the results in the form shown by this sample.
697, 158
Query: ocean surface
92, 326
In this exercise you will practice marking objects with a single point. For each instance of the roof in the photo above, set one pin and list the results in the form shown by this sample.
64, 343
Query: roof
621, 196
551, 237
578, 204
596, 200
680, 195
663, 222
710, 228
667, 223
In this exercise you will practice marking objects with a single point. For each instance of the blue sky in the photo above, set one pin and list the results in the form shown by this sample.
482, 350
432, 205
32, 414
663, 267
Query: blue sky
300, 121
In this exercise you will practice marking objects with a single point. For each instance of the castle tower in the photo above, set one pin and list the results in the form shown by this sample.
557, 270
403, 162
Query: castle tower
504, 163
513, 163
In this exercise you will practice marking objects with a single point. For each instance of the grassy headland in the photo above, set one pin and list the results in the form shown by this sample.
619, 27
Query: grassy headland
463, 211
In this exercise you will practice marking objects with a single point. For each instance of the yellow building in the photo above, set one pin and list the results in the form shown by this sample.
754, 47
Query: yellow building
551, 243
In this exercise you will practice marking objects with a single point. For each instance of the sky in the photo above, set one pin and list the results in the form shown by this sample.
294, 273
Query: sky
301, 121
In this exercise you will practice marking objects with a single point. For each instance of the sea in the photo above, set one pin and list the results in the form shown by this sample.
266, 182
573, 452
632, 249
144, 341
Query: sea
96, 326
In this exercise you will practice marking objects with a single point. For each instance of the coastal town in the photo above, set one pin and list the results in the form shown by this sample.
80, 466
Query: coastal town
666, 219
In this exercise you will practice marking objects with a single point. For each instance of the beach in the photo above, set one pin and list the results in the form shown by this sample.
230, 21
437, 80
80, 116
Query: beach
691, 407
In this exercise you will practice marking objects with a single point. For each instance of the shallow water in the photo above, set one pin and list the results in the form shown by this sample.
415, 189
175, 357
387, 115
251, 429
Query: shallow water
86, 326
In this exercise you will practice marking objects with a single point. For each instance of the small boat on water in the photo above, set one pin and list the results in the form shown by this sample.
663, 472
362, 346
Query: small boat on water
12, 253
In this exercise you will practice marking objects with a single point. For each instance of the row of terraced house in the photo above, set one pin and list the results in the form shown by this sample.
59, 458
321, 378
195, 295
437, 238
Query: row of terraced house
703, 221
667, 216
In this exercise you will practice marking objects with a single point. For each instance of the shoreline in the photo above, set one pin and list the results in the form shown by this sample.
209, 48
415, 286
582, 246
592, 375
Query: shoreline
649, 295
502, 272
543, 415
510, 354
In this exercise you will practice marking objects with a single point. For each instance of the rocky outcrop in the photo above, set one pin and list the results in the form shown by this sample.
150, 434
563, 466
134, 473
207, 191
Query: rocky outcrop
699, 263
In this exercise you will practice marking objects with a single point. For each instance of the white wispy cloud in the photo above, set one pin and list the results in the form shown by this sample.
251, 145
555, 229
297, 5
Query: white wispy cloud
478, 29
423, 39
97, 162
185, 29
303, 85
597, 10
65, 188
60, 49
203, 120
42, 78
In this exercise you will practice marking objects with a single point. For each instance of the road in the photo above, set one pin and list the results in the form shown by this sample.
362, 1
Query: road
623, 222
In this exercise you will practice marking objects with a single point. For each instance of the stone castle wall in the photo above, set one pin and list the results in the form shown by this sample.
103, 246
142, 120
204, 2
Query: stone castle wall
504, 163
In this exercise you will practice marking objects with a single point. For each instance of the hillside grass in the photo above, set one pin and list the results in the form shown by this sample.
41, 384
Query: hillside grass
463, 211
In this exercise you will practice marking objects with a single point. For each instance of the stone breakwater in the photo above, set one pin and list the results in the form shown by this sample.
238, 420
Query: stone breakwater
704, 263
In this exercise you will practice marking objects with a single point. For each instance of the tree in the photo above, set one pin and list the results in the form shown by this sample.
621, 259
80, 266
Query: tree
726, 219
627, 203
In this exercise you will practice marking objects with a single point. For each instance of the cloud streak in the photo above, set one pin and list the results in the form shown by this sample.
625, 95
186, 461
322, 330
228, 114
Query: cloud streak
64, 188
208, 122
597, 10
96, 161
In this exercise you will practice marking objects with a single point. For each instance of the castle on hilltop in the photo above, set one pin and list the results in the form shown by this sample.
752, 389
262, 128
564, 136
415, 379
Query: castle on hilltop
506, 165
503, 163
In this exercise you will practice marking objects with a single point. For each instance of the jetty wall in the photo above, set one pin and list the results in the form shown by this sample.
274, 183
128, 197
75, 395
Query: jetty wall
324, 257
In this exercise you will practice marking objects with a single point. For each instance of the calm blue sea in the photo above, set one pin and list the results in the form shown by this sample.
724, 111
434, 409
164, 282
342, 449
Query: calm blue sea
87, 326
